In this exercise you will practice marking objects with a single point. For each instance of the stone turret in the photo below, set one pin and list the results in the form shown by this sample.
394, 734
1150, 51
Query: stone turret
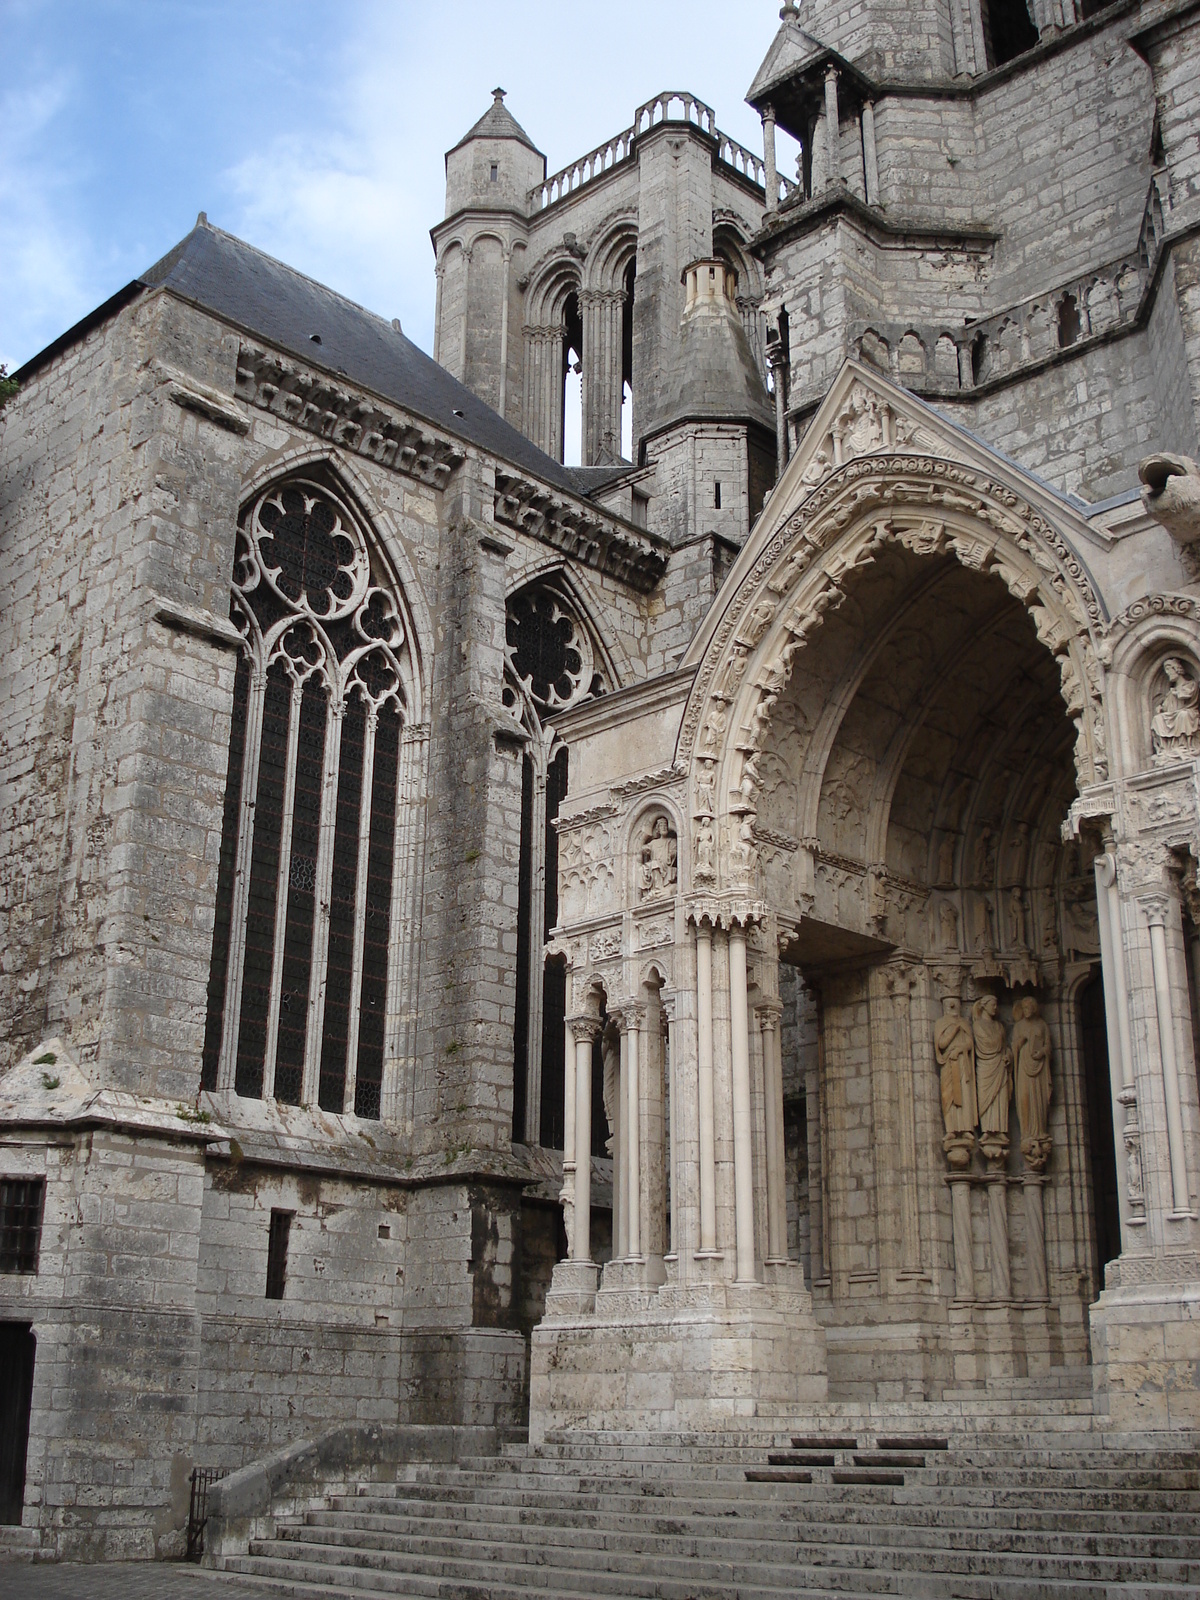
712, 442
481, 249
495, 165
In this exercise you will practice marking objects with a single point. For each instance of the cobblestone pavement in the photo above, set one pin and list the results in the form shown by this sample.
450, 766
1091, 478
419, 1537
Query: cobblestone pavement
118, 1580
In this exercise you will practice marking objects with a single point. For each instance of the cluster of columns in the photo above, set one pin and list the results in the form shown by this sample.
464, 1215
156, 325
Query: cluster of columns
629, 1222
830, 145
603, 312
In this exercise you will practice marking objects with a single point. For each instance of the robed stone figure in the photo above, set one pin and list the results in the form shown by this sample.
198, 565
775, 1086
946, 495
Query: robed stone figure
993, 1067
954, 1048
1031, 1049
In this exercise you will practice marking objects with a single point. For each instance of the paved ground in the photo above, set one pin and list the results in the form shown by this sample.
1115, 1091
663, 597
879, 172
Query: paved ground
137, 1580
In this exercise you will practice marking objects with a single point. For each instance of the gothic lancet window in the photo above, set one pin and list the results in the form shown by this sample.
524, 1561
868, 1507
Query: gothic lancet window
552, 663
306, 885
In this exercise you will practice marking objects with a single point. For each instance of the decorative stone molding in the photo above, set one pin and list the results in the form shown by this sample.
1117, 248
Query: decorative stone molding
1157, 605
315, 402
594, 538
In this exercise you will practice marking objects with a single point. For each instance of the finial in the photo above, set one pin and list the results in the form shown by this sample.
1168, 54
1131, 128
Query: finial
498, 95
790, 9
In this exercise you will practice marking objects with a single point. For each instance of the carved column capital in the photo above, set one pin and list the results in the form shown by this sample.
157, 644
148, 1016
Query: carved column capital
586, 1029
1156, 908
630, 1018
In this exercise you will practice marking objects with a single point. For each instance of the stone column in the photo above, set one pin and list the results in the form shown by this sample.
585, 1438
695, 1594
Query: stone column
833, 148
995, 1150
964, 1250
770, 1018
631, 1092
772, 173
743, 1141
704, 1087
586, 1030
601, 310
568, 1188
1155, 908
673, 1110
502, 407
1131, 1193
778, 363
1034, 1184
870, 154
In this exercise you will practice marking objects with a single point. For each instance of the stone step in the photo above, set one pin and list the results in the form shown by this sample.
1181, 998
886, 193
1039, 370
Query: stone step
641, 1576
588, 1530
760, 1533
707, 1558
773, 1509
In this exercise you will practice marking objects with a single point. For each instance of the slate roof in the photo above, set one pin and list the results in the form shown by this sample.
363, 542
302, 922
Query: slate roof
267, 300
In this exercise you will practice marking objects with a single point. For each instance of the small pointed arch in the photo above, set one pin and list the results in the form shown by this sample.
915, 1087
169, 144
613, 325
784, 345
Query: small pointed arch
613, 249
551, 284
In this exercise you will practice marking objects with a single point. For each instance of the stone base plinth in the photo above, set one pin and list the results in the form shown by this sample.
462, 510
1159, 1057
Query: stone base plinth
1146, 1355
680, 1359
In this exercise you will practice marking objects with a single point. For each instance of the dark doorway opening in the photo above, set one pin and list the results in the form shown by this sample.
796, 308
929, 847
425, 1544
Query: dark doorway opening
1010, 30
17, 1349
1093, 1040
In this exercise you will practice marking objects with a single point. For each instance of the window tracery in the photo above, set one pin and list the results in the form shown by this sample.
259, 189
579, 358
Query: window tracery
297, 995
551, 663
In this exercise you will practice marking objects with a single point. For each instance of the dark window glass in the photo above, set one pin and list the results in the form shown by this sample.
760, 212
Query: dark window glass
277, 1253
368, 1082
554, 1017
340, 965
301, 895
231, 822
20, 1223
264, 884
524, 913
1010, 30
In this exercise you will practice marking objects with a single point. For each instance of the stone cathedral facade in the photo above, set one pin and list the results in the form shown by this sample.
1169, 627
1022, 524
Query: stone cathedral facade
661, 944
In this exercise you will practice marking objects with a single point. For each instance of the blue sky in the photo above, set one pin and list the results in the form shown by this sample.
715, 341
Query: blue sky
314, 129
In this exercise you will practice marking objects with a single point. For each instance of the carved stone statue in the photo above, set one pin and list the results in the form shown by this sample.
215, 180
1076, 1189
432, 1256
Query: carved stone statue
1175, 726
706, 850
610, 1054
743, 855
949, 921
1031, 1049
705, 791
660, 860
993, 1068
954, 1049
1016, 919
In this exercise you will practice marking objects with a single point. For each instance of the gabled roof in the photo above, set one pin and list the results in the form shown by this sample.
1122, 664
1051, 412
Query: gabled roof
267, 300
791, 51
498, 122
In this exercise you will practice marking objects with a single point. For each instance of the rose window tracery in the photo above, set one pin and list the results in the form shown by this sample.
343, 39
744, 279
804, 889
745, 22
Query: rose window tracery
548, 652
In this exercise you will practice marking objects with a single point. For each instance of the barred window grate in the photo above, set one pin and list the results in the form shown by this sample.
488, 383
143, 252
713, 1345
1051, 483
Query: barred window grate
20, 1223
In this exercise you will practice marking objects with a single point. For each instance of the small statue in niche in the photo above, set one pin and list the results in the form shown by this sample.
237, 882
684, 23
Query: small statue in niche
1175, 725
660, 860
949, 921
985, 857
1031, 1049
1016, 919
706, 850
954, 1050
946, 852
705, 790
993, 1074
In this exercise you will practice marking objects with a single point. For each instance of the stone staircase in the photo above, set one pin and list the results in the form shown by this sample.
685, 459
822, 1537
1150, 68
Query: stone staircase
1013, 1499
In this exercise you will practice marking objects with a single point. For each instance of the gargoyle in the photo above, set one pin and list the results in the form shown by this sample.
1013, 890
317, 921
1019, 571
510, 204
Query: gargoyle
1171, 494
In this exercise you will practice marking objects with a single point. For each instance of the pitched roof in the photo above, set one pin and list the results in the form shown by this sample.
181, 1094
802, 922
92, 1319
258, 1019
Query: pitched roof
498, 122
791, 50
264, 298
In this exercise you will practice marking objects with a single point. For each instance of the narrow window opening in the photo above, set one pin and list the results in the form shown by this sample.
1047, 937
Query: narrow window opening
18, 1354
627, 362
495, 173
717, 494
524, 914
1068, 321
277, 1253
1093, 1039
20, 1223
301, 895
981, 359
572, 391
1009, 29
372, 1023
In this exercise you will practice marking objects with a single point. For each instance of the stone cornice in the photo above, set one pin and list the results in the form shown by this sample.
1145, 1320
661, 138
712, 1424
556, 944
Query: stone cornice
637, 699
346, 417
595, 538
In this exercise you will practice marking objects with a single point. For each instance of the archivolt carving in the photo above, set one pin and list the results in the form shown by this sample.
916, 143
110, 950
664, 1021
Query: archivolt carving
931, 507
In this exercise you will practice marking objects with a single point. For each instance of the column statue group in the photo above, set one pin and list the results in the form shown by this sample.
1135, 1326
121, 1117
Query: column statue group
980, 1067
